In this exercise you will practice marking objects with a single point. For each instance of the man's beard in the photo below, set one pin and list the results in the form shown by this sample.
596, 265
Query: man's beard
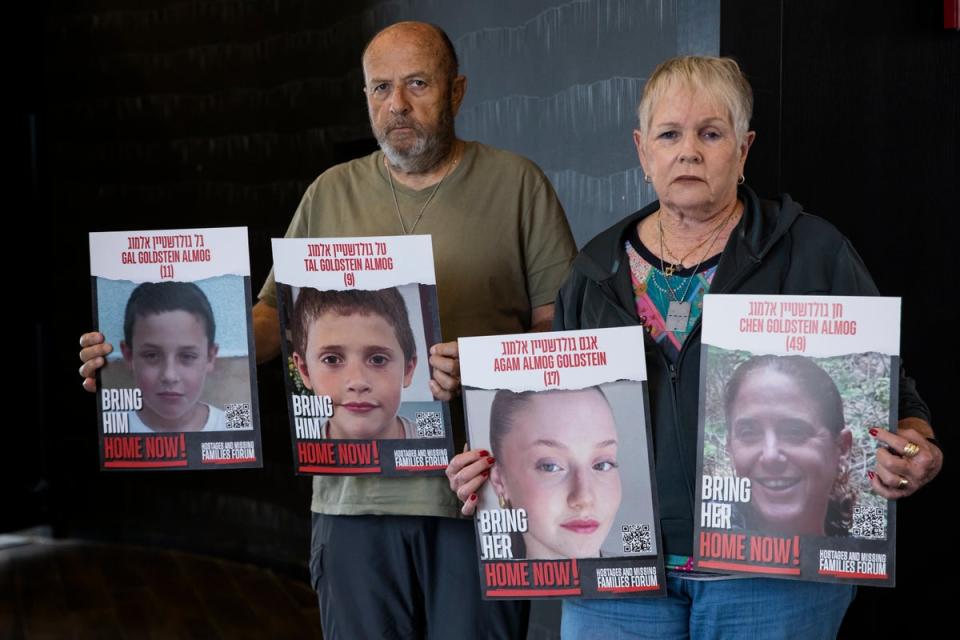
429, 149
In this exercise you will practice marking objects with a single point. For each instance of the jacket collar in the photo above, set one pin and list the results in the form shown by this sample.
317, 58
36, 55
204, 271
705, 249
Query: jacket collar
763, 223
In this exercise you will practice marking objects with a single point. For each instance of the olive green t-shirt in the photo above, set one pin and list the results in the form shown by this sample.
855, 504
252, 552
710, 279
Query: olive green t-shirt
501, 246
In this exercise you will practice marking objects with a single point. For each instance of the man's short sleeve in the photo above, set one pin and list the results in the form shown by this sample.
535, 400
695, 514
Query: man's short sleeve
298, 228
549, 246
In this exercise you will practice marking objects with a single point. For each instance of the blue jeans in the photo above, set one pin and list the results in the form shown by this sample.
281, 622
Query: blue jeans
743, 608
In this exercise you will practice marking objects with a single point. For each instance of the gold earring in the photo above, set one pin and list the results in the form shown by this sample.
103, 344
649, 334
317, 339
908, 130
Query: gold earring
502, 500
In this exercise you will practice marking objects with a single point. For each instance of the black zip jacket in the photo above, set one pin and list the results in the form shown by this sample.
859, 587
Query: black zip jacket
776, 248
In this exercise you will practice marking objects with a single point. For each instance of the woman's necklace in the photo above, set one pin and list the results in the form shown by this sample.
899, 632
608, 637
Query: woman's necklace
670, 268
678, 311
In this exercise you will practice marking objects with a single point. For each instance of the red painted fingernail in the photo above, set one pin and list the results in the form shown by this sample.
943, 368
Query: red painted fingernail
491, 460
485, 473
871, 474
484, 453
873, 432
473, 497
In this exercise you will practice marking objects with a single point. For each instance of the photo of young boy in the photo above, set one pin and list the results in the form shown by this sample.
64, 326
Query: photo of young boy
178, 385
357, 348
169, 344
356, 318
181, 349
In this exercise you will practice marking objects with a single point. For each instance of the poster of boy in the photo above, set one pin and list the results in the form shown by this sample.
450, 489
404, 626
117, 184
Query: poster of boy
179, 392
357, 318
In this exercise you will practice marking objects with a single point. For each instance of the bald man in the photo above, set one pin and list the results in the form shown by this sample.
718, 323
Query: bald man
389, 556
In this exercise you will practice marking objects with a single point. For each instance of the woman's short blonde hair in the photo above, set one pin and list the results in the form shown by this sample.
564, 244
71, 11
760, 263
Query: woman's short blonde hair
721, 77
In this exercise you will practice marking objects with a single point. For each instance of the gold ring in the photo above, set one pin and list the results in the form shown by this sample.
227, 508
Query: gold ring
910, 450
903, 483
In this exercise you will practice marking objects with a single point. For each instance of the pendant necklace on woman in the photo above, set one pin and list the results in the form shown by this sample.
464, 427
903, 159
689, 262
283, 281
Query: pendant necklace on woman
678, 311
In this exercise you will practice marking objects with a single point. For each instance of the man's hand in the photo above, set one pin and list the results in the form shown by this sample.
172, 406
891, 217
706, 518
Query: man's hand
266, 331
93, 355
445, 361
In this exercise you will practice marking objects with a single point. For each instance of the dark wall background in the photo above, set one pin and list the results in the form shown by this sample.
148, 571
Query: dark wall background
153, 113
160, 114
167, 114
858, 118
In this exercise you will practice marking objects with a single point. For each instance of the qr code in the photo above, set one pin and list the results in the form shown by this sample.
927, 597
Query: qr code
429, 424
238, 415
869, 523
636, 538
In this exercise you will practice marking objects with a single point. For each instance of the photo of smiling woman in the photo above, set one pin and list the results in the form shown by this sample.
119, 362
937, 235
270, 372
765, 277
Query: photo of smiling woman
787, 434
565, 473
558, 462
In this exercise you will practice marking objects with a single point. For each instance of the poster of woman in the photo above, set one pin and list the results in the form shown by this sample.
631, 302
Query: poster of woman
791, 388
569, 508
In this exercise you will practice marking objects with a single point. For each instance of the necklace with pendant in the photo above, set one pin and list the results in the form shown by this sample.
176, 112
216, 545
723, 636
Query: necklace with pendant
678, 310
396, 202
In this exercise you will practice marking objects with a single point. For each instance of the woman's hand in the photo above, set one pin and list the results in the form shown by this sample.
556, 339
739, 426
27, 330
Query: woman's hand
467, 472
907, 461
93, 355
